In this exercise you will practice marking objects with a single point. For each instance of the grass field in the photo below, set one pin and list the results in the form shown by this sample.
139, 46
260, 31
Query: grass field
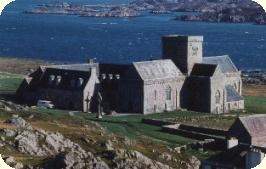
255, 104
9, 82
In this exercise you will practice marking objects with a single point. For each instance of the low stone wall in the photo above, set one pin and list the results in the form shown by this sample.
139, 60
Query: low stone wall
203, 130
197, 133
156, 122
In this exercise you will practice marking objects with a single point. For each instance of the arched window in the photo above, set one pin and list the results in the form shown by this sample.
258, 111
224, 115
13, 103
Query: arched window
51, 79
80, 82
58, 80
168, 93
217, 97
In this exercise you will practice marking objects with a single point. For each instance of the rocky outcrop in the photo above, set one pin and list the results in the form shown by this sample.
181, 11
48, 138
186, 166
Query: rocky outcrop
10, 160
62, 153
129, 159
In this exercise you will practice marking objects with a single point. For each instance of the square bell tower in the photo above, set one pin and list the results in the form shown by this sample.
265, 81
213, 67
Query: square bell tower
184, 51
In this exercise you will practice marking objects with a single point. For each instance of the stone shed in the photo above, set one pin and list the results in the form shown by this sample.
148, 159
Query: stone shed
250, 130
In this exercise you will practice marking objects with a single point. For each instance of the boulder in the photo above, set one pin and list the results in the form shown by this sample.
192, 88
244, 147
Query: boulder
19, 122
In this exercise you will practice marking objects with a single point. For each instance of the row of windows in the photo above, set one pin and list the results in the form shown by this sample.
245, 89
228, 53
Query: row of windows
73, 83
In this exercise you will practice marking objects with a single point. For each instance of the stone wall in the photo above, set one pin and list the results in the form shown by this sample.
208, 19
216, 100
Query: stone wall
234, 79
217, 85
131, 97
62, 99
155, 95
197, 94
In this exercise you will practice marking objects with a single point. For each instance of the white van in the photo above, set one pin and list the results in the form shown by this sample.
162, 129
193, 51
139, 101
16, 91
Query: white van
45, 104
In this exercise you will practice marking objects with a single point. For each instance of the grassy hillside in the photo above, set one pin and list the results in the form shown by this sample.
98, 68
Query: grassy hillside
9, 82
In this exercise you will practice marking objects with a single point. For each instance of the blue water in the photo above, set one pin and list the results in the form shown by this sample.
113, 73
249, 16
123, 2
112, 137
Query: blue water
74, 39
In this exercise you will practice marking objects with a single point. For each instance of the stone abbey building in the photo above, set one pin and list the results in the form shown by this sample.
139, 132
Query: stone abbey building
182, 78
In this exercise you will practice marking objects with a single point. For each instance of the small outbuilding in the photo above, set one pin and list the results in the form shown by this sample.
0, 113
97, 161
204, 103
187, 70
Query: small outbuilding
250, 130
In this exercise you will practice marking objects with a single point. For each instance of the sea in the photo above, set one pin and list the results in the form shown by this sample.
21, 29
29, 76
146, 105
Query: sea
74, 39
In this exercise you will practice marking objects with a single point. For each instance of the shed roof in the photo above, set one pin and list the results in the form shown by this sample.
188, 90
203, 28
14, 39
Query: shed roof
157, 69
200, 69
232, 94
225, 63
256, 127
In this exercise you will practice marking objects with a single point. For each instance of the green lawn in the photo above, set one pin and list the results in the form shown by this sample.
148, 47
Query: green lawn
9, 82
255, 104
132, 127
128, 125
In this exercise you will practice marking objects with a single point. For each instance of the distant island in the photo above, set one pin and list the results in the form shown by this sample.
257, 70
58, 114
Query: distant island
230, 11
85, 10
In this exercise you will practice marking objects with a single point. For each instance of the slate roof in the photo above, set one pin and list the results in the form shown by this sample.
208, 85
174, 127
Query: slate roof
256, 127
225, 63
232, 94
77, 67
113, 68
200, 69
157, 69
66, 77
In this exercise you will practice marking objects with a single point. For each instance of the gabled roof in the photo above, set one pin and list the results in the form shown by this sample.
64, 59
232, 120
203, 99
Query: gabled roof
200, 69
232, 94
256, 127
225, 63
157, 69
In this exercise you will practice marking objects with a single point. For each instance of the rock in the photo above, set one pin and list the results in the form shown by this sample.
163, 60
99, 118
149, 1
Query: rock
57, 143
108, 145
18, 166
165, 156
3, 138
76, 159
135, 159
180, 149
18, 122
28, 142
8, 132
194, 163
10, 160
